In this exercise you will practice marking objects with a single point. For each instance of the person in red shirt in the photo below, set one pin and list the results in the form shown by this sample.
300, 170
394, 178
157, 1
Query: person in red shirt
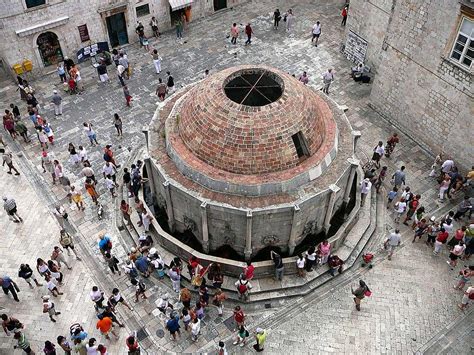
239, 316
104, 324
248, 32
344, 15
248, 271
440, 240
412, 206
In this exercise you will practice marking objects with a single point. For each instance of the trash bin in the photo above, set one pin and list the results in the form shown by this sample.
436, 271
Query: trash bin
28, 65
18, 69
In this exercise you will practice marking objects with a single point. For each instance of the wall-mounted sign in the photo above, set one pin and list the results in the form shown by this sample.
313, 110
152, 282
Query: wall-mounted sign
84, 33
356, 47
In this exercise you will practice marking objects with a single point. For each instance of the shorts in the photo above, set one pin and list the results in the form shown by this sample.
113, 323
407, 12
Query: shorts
391, 248
376, 157
465, 299
12, 211
453, 257
27, 350
51, 311
68, 246
104, 78
316, 35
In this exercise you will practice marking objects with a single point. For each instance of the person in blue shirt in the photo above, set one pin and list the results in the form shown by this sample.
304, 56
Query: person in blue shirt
142, 264
9, 286
105, 245
173, 326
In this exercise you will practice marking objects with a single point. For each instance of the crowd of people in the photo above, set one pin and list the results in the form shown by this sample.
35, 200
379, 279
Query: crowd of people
439, 233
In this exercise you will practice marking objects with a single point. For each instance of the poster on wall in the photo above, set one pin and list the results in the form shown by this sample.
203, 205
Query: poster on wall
92, 50
355, 48
83, 33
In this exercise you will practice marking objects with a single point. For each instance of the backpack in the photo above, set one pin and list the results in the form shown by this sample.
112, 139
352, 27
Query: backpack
242, 288
65, 240
107, 157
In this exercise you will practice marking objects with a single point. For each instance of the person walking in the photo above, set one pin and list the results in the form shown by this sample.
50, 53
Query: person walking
123, 61
66, 241
455, 254
412, 207
381, 178
463, 208
105, 325
170, 83
239, 317
394, 239
23, 343
49, 307
365, 188
379, 151
399, 177
9, 286
117, 298
161, 89
9, 205
156, 61
57, 101
360, 293
443, 187
8, 159
344, 12
234, 33
400, 208
248, 32
279, 267
58, 256
289, 19
316, 32
126, 93
22, 130
391, 195
218, 301
260, 337
328, 78
26, 273
195, 329
276, 19
467, 297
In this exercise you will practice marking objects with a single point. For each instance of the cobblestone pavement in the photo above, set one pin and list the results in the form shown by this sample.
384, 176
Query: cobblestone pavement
413, 298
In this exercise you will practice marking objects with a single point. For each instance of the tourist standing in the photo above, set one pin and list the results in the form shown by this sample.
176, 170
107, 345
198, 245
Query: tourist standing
316, 33
48, 307
441, 239
154, 27
243, 286
173, 326
27, 274
466, 298
324, 249
328, 78
102, 71
57, 102
276, 19
290, 19
300, 265
260, 337
90, 133
234, 33
279, 267
61, 72
304, 78
156, 61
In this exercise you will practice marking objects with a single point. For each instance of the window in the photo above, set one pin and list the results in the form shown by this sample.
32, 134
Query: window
463, 50
34, 3
300, 144
142, 10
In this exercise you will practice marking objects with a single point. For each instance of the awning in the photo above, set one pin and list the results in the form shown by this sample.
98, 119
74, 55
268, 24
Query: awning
42, 26
179, 4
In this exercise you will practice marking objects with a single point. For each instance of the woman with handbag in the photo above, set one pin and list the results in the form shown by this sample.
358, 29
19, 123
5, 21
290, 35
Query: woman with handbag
360, 293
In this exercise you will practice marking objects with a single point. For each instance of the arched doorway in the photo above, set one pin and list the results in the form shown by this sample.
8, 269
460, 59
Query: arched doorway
49, 48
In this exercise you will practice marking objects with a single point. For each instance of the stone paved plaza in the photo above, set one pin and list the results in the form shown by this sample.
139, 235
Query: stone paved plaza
413, 307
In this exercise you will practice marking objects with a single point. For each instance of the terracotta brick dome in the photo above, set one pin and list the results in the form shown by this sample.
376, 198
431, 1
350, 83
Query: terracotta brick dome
253, 120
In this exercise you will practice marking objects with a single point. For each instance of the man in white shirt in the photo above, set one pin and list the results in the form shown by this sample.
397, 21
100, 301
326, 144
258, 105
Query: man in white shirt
316, 32
447, 166
328, 78
366, 185
109, 171
379, 151
393, 241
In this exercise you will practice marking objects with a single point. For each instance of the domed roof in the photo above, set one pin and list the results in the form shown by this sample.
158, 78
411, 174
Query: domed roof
253, 120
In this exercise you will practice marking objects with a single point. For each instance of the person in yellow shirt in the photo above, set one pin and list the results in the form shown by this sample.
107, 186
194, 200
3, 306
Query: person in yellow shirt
260, 337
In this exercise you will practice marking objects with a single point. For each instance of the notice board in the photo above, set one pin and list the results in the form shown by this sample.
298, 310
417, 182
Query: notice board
356, 47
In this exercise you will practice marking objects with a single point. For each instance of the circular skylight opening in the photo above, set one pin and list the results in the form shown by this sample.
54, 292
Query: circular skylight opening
254, 87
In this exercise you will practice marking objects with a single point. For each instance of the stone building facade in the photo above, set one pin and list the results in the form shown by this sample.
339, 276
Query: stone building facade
422, 53
44, 31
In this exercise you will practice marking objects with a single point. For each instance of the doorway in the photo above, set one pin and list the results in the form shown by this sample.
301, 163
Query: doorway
117, 28
220, 4
49, 48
